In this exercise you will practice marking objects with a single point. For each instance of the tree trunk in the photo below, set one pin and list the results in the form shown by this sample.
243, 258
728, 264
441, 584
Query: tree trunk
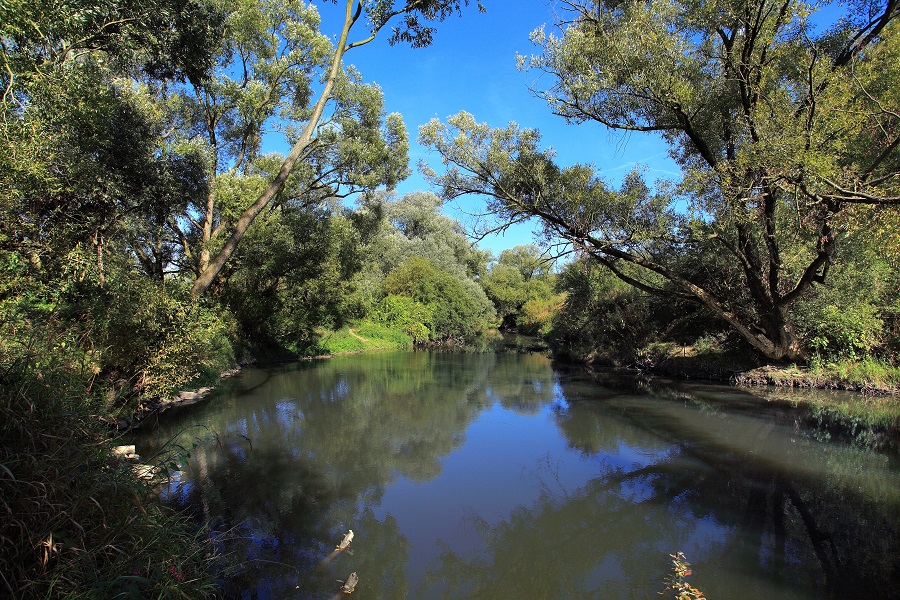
214, 266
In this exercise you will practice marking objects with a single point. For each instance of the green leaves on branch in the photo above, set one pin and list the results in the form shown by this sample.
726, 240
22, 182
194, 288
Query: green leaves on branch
458, 307
780, 132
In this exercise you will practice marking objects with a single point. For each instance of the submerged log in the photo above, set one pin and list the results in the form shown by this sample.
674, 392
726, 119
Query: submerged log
346, 541
350, 584
125, 452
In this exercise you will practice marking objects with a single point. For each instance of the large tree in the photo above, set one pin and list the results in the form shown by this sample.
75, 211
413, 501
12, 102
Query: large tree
79, 149
263, 82
295, 53
787, 136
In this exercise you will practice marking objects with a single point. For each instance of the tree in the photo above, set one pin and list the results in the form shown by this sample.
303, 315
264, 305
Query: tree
519, 276
784, 135
299, 62
80, 148
414, 226
457, 307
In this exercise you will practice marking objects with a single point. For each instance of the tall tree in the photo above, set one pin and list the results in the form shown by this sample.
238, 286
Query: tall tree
413, 29
782, 133
80, 147
414, 226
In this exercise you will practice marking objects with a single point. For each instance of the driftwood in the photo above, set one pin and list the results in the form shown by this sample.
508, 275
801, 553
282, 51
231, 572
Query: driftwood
346, 541
350, 585
125, 452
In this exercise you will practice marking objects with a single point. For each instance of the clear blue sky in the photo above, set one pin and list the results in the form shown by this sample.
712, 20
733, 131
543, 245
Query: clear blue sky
472, 66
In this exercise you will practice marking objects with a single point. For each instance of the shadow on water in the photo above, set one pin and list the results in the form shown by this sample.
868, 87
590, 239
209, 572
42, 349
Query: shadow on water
495, 476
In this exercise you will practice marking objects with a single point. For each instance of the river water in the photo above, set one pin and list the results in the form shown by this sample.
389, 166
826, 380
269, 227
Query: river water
501, 476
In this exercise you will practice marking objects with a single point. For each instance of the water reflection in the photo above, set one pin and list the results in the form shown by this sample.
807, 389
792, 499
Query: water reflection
494, 476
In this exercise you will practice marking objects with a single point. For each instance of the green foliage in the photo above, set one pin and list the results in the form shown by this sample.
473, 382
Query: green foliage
379, 333
79, 523
167, 38
458, 307
339, 342
290, 274
520, 277
769, 186
848, 331
867, 374
147, 339
845, 318
505, 286
414, 226
361, 336
600, 316
406, 314
604, 319
537, 315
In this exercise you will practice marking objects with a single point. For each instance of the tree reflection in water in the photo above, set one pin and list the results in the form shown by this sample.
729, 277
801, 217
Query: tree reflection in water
762, 513
304, 453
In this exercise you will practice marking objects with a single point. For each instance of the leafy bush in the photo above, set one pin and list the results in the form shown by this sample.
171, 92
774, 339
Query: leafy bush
601, 316
158, 336
864, 373
458, 307
850, 331
406, 314
536, 316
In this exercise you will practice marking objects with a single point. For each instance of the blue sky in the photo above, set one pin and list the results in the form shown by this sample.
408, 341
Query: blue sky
472, 66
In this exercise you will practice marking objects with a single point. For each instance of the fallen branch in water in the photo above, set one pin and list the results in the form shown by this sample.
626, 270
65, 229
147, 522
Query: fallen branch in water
346, 541
350, 585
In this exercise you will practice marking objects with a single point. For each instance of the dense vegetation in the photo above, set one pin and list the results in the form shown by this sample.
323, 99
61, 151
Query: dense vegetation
147, 242
786, 129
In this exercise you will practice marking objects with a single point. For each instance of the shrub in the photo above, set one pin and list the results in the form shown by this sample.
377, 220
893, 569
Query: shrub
458, 307
160, 337
405, 314
850, 331
536, 316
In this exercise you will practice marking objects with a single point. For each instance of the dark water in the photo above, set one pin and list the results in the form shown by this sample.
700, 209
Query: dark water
496, 476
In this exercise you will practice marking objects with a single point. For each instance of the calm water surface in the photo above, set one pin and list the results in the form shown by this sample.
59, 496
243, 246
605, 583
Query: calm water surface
497, 476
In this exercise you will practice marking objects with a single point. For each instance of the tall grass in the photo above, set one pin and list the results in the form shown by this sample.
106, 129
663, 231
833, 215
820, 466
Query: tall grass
76, 520
866, 373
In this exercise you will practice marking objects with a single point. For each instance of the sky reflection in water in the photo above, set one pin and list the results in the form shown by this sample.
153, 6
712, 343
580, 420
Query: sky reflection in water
496, 476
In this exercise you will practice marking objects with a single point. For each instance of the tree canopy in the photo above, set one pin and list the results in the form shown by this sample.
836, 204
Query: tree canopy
787, 136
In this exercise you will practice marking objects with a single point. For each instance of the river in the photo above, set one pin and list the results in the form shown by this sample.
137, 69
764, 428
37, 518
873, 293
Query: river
500, 475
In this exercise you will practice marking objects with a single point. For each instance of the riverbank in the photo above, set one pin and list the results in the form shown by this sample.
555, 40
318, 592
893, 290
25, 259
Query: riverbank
856, 401
78, 520
867, 376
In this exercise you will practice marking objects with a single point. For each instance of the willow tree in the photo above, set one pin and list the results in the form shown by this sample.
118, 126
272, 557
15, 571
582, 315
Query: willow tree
283, 66
785, 136
267, 63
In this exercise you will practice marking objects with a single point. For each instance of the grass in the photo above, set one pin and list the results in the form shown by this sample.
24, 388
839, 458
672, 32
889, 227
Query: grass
361, 336
867, 375
77, 522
